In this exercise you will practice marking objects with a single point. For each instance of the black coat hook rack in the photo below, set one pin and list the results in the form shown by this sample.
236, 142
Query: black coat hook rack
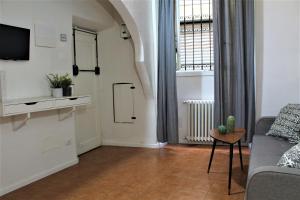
76, 69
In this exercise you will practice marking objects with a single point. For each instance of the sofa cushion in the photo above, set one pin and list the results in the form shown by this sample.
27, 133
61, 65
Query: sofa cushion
291, 158
287, 123
266, 151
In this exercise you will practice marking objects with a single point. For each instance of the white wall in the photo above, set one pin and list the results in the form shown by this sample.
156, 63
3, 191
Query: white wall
144, 13
192, 85
22, 75
277, 33
121, 68
42, 146
29, 153
36, 149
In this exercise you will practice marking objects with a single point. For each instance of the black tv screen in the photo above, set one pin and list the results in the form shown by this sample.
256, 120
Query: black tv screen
14, 43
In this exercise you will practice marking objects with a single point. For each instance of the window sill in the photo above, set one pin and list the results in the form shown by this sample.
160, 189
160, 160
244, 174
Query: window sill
182, 73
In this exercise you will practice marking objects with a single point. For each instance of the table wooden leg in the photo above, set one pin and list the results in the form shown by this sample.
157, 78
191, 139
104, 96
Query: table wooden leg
212, 154
241, 159
230, 168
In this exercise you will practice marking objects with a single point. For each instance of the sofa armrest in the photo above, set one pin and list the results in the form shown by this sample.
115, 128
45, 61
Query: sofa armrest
263, 125
272, 183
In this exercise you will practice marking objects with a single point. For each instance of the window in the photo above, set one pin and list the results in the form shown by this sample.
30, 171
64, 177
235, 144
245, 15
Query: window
195, 38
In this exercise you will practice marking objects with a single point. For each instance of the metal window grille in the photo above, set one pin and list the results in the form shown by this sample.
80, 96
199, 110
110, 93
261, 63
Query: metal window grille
195, 35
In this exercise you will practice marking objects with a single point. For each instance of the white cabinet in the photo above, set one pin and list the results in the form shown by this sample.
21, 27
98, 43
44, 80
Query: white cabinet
74, 101
29, 105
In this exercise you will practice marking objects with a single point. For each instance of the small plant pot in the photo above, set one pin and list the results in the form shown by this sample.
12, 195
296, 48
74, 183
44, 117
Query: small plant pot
67, 91
222, 129
57, 92
230, 124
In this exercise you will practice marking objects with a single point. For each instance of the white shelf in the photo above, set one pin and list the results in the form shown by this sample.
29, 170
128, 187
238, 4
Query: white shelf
38, 104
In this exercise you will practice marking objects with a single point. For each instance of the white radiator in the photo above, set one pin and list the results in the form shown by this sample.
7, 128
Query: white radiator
200, 120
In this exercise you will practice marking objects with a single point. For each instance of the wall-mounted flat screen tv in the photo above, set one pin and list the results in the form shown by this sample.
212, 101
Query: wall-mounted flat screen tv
14, 43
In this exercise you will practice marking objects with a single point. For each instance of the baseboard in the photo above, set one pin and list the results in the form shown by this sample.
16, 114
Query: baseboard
36, 177
88, 145
126, 144
162, 145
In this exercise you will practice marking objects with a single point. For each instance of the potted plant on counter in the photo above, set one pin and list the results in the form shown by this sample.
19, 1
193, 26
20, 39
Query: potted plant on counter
66, 82
55, 85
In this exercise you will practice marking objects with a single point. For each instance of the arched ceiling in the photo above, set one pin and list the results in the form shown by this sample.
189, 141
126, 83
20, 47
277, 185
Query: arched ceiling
121, 14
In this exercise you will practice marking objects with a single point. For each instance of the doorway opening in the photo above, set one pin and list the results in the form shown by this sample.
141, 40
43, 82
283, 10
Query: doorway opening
87, 119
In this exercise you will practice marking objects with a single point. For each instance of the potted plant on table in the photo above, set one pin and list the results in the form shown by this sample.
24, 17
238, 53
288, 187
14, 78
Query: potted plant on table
66, 82
55, 85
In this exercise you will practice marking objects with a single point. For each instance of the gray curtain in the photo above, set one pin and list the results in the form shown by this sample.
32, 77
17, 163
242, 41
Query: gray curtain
167, 116
234, 62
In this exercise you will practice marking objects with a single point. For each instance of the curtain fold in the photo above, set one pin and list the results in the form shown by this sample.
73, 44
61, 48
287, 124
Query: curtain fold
167, 111
234, 62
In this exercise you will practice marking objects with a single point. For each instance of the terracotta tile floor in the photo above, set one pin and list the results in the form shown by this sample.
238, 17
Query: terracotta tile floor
119, 173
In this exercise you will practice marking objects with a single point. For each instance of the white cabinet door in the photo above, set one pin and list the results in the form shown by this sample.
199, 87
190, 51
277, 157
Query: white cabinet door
87, 118
123, 102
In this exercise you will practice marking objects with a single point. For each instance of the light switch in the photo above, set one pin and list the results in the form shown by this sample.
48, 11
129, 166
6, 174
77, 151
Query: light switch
63, 37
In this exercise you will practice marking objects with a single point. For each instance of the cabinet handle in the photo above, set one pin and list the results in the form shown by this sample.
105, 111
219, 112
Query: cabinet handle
75, 98
30, 103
